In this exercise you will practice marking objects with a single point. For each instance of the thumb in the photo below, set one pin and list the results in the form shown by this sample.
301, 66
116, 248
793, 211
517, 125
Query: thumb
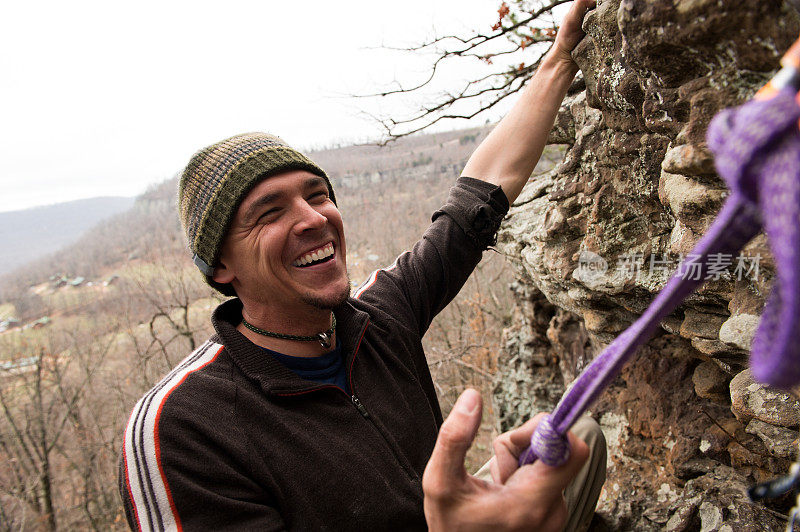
455, 437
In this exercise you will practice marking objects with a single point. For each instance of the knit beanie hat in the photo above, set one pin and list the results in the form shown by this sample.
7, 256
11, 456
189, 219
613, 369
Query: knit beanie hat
215, 182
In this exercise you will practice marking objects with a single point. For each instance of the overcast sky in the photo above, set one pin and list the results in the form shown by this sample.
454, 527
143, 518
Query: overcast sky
105, 98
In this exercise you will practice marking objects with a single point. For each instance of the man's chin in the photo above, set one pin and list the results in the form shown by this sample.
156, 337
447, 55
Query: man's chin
328, 301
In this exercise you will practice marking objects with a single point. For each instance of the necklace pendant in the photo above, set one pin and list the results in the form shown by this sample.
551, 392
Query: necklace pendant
324, 339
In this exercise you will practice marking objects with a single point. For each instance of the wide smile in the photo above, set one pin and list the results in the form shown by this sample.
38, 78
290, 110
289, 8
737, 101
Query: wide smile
320, 255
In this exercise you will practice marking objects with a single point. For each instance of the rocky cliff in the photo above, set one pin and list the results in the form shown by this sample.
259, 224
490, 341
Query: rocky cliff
595, 238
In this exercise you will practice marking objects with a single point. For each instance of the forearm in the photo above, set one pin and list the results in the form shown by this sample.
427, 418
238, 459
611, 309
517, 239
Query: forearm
510, 152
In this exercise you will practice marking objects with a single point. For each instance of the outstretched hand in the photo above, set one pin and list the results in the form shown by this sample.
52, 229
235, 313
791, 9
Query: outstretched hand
521, 498
571, 33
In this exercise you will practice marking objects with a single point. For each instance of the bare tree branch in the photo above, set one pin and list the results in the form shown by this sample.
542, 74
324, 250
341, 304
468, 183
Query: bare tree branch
510, 36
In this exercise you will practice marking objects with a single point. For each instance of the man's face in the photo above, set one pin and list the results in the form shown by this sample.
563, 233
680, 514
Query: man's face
285, 249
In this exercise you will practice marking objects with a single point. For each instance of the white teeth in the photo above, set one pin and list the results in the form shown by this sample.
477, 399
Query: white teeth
323, 253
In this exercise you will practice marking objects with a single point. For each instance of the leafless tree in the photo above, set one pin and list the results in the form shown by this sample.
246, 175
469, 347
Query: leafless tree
158, 309
513, 46
57, 436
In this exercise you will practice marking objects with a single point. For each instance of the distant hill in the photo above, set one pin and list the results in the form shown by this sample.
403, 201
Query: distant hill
32, 233
148, 229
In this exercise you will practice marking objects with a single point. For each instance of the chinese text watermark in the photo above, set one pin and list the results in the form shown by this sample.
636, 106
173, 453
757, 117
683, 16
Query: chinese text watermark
692, 267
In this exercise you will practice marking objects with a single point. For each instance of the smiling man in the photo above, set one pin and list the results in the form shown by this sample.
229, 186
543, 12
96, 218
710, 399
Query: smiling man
285, 251
311, 409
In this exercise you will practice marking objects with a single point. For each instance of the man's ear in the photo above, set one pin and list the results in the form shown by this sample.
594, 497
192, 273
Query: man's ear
223, 274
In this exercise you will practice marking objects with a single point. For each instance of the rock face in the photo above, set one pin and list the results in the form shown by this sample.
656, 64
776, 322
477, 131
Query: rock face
600, 234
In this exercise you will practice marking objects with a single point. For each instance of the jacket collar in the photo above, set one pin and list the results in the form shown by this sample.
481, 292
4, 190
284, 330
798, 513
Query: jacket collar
274, 377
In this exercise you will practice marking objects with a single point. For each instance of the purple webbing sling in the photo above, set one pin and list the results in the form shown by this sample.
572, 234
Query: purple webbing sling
757, 151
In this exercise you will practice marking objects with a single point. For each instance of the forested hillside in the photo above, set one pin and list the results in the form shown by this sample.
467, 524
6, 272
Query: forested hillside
29, 234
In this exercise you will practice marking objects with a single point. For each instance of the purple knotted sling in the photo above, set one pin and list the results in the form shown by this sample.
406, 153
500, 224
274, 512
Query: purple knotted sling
757, 152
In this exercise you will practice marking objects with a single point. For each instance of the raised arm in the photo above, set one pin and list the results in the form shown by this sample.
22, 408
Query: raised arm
509, 154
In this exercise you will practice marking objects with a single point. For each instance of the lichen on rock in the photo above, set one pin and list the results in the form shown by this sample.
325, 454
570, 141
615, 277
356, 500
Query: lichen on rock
595, 239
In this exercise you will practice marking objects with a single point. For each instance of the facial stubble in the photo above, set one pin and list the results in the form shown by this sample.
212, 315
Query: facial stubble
328, 303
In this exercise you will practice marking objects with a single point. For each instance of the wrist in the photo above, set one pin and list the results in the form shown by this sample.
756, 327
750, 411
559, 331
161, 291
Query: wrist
560, 63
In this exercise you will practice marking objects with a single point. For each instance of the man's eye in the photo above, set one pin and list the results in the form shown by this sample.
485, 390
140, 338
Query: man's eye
269, 215
318, 196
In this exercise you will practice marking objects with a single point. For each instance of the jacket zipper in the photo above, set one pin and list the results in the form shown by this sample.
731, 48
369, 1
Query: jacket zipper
363, 411
354, 398
360, 406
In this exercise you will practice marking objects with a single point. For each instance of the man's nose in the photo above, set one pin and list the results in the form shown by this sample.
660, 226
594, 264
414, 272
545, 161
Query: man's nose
308, 218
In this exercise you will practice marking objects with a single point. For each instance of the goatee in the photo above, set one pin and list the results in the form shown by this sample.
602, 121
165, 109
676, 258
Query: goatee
331, 302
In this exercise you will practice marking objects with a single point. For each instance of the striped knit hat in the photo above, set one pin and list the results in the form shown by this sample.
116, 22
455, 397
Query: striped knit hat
218, 178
